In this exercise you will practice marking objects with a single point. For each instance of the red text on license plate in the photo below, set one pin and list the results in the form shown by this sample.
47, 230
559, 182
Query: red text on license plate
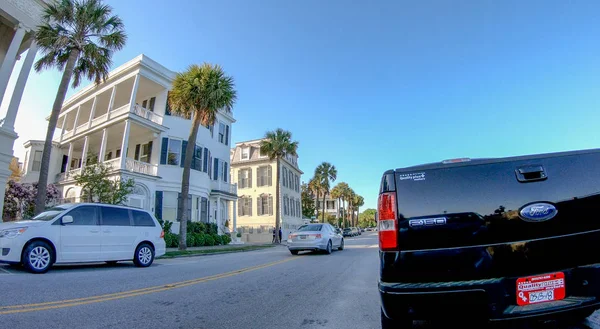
540, 288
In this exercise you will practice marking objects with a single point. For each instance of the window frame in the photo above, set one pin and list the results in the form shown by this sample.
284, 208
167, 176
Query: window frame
169, 151
34, 162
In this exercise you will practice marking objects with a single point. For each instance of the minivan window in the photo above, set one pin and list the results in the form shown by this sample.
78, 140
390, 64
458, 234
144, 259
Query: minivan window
115, 216
84, 215
141, 218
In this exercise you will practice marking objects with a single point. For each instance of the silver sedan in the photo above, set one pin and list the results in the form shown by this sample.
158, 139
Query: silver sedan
315, 237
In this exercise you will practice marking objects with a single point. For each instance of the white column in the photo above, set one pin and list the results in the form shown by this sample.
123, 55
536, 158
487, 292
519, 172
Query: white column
103, 145
76, 120
218, 217
111, 103
62, 126
10, 59
92, 112
125, 143
234, 216
69, 155
84, 152
15, 100
136, 84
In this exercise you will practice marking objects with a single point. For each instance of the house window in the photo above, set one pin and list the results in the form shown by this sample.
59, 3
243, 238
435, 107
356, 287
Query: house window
265, 205
284, 172
285, 205
204, 210
108, 156
245, 206
197, 161
264, 176
146, 152
291, 180
221, 133
224, 170
151, 104
330, 205
118, 153
169, 211
245, 178
144, 103
292, 207
245, 153
37, 161
298, 209
174, 152
75, 163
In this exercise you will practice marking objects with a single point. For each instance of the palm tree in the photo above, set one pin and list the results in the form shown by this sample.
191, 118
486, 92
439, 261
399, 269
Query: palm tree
79, 37
315, 185
276, 145
359, 201
350, 197
344, 188
326, 172
336, 193
198, 93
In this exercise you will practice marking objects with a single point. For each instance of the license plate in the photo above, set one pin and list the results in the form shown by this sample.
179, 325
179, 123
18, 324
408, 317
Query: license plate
540, 288
303, 237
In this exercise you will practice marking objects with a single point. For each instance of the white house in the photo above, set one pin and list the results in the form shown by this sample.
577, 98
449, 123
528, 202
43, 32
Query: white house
126, 123
18, 21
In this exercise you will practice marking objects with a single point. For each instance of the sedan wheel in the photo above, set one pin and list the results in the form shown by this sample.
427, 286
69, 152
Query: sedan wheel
37, 257
329, 249
341, 247
144, 255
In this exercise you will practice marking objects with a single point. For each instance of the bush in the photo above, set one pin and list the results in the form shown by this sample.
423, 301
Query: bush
209, 240
200, 239
239, 235
167, 226
217, 239
171, 240
226, 239
211, 228
190, 240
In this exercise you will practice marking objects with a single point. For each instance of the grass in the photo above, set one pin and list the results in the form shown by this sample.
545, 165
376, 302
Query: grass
188, 253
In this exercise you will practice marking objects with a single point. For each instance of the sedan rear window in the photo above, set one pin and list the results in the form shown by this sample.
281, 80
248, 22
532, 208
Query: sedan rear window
311, 227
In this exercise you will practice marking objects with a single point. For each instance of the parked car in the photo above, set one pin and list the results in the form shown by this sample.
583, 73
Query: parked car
348, 232
490, 240
355, 231
315, 237
77, 233
358, 230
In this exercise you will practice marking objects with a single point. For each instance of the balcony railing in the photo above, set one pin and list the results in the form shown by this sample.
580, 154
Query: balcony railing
225, 187
136, 109
115, 164
141, 167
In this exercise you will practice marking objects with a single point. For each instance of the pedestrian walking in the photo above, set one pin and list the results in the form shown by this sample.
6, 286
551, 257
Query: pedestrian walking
280, 235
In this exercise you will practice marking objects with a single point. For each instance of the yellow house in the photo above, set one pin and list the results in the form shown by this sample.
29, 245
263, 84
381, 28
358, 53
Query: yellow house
255, 175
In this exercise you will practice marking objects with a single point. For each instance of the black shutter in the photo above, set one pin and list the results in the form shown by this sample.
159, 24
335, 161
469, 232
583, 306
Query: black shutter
137, 152
205, 167
164, 150
225, 172
183, 148
226, 135
216, 169
158, 204
259, 207
168, 108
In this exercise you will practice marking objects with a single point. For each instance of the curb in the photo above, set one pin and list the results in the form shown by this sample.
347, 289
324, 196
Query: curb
212, 253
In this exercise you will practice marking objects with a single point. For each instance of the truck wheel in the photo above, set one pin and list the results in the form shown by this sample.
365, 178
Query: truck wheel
395, 324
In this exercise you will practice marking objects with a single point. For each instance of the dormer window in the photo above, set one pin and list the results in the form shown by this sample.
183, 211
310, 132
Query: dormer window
245, 153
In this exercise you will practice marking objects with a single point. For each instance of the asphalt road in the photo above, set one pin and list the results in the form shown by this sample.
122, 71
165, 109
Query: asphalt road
260, 289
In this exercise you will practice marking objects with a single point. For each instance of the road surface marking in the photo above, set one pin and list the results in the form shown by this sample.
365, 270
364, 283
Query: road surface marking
131, 293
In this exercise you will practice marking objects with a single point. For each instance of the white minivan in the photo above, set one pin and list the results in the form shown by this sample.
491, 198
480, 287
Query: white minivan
82, 232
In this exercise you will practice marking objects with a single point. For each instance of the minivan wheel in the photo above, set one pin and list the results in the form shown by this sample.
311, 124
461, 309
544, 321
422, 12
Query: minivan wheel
37, 257
395, 324
328, 250
341, 247
144, 255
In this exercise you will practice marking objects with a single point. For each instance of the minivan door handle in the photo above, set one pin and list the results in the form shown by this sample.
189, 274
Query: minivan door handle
532, 173
94, 231
107, 231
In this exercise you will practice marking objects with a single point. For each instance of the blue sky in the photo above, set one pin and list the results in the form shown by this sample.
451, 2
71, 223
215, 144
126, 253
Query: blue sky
370, 86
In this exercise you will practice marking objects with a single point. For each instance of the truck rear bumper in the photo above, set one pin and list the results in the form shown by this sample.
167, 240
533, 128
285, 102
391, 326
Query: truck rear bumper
491, 300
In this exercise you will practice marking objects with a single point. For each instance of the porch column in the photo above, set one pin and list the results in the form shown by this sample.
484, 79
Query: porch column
10, 59
84, 152
69, 155
125, 143
134, 90
218, 217
234, 229
103, 145
62, 126
92, 112
76, 119
111, 102
15, 100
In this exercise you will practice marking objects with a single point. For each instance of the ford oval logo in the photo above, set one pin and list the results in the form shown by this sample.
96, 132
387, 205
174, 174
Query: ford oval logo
538, 212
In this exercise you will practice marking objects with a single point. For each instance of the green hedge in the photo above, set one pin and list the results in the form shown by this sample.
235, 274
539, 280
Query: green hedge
197, 240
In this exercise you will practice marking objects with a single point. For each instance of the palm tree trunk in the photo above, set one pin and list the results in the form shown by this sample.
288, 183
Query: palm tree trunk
323, 213
278, 204
63, 87
185, 181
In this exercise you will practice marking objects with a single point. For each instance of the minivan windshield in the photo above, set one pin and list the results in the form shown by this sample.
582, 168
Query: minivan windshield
49, 214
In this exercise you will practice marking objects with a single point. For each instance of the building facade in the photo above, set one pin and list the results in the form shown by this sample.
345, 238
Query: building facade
331, 205
126, 123
255, 175
18, 22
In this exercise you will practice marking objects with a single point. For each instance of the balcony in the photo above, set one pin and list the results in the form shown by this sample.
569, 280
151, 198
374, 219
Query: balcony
131, 165
224, 187
117, 113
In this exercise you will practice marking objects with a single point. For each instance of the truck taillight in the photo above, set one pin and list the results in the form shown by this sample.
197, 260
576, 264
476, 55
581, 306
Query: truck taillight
388, 232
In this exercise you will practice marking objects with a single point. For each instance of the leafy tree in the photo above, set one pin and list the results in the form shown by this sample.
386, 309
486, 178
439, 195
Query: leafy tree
97, 187
326, 173
359, 201
315, 186
276, 145
308, 203
367, 218
198, 93
19, 199
78, 37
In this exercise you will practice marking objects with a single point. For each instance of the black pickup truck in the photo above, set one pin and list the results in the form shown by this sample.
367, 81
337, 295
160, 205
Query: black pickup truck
491, 240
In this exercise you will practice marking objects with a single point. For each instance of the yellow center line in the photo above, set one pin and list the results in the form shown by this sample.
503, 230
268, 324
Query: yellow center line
11, 309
